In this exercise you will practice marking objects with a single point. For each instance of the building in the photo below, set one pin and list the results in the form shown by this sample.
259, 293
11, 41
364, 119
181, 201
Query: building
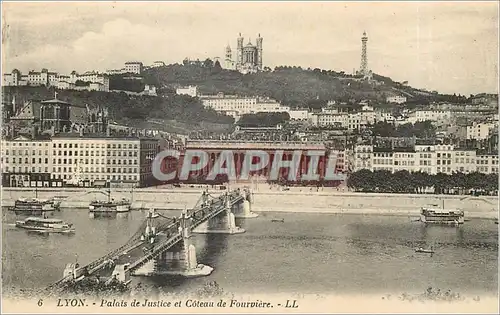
299, 115
487, 163
33, 78
396, 99
431, 159
240, 105
133, 67
334, 120
187, 90
91, 80
26, 162
158, 64
248, 57
436, 116
238, 148
479, 131
77, 158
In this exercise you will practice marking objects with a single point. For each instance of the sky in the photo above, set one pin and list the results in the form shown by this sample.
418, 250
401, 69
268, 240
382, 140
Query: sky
448, 47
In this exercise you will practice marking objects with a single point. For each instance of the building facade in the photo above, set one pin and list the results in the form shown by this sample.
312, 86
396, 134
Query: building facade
187, 90
248, 57
238, 105
214, 149
397, 99
72, 159
431, 159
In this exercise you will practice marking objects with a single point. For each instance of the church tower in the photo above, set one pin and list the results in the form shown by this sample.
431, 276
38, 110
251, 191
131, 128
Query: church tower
239, 51
259, 52
228, 60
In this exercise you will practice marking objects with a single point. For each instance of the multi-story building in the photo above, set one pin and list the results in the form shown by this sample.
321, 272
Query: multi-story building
332, 120
133, 67
94, 81
363, 157
239, 149
487, 163
464, 161
187, 90
479, 131
299, 114
438, 116
158, 64
444, 159
78, 159
241, 105
26, 163
431, 159
396, 99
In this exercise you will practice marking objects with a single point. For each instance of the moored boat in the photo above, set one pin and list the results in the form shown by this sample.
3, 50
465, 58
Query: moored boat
45, 225
110, 206
34, 206
430, 215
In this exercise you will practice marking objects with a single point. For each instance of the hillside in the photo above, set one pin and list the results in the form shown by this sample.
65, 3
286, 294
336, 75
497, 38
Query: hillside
176, 113
292, 86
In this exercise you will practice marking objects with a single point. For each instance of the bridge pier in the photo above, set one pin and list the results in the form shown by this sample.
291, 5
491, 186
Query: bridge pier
121, 273
224, 223
243, 210
178, 260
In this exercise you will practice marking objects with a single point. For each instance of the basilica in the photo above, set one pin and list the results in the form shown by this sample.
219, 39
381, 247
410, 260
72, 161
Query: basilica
248, 57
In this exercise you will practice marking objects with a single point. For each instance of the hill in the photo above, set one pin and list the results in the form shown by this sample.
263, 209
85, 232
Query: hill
292, 86
175, 113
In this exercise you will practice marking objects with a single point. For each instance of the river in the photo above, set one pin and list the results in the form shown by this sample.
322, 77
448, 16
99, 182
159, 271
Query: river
308, 253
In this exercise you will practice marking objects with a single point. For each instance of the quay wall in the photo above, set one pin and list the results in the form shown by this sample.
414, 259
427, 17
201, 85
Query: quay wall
326, 201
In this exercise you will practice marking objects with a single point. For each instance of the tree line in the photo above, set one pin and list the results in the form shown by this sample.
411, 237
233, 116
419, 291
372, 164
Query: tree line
423, 129
417, 182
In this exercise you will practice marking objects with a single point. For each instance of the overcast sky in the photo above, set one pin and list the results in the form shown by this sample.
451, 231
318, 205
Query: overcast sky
452, 47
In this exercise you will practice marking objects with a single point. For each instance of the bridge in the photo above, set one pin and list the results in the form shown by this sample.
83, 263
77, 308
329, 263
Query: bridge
162, 245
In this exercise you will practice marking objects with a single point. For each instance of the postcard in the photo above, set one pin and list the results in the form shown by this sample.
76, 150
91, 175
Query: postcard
249, 157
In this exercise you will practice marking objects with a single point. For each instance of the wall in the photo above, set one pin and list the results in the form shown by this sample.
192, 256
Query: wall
286, 201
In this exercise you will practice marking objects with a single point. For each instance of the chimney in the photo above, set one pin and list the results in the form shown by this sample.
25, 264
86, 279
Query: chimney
81, 131
108, 131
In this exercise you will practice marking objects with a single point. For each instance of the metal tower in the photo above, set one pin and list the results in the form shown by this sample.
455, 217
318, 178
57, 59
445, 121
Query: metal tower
364, 58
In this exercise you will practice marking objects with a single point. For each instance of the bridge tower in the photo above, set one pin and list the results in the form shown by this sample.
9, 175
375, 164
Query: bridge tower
179, 259
223, 223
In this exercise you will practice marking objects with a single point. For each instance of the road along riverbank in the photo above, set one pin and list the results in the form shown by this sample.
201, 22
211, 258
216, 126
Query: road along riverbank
326, 201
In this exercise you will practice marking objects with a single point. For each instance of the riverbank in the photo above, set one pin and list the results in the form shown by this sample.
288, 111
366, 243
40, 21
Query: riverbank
273, 200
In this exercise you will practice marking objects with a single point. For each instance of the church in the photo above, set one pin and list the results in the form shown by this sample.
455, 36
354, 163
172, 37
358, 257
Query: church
248, 57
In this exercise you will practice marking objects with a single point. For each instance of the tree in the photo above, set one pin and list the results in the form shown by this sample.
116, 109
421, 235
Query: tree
208, 63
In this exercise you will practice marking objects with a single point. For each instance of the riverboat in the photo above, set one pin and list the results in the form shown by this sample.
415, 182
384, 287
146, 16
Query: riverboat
110, 206
430, 215
34, 206
45, 225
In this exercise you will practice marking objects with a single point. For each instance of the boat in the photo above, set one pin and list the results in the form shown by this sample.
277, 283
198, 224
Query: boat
34, 206
278, 220
45, 225
426, 251
434, 215
109, 206
496, 221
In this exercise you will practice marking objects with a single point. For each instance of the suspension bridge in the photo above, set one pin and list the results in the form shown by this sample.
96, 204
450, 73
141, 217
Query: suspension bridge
162, 244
